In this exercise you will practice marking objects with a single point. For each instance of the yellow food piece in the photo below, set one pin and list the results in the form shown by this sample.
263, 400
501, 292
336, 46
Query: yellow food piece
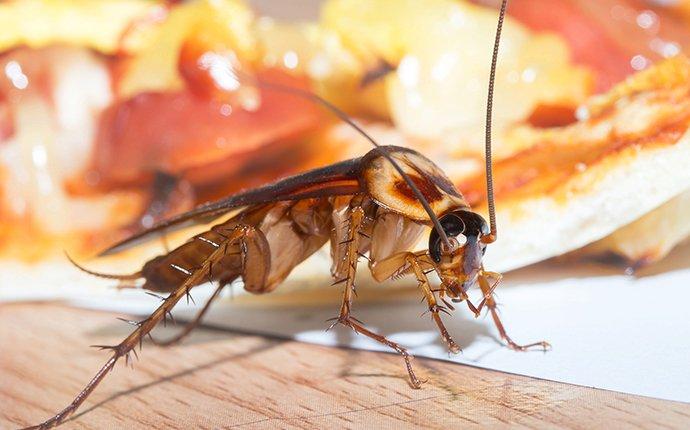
148, 30
223, 25
319, 53
308, 49
668, 74
95, 24
651, 237
642, 147
442, 51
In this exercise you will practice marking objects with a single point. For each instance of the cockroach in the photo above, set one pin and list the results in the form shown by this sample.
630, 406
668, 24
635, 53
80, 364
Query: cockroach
379, 204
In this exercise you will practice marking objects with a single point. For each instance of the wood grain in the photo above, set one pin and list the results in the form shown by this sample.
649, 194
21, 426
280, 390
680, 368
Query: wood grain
220, 380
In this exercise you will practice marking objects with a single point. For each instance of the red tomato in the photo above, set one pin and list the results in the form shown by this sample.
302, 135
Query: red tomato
613, 37
183, 134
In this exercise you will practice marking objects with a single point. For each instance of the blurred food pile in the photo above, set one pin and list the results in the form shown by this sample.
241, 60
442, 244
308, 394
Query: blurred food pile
117, 113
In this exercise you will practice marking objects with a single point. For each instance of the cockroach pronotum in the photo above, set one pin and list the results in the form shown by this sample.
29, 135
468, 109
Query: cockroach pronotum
379, 204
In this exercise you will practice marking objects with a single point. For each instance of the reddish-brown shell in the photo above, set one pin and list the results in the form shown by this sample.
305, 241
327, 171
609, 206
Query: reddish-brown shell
387, 187
372, 174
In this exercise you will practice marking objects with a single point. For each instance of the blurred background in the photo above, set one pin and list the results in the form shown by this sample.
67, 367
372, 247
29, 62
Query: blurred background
116, 114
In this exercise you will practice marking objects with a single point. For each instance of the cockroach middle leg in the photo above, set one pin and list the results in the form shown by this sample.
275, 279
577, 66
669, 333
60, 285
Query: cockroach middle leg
345, 318
189, 327
352, 257
491, 304
434, 307
143, 329
346, 273
359, 327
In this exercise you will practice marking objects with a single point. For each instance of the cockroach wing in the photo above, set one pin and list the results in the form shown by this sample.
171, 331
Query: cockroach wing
385, 185
337, 179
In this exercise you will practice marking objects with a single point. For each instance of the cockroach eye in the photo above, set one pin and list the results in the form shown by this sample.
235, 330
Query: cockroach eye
459, 226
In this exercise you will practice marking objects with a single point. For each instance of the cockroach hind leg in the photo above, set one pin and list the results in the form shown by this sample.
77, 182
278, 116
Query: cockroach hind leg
134, 339
189, 327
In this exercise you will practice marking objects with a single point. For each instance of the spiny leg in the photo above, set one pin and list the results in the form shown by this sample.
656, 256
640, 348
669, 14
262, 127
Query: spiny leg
144, 328
359, 327
497, 277
345, 318
192, 324
350, 258
120, 350
434, 307
491, 304
248, 272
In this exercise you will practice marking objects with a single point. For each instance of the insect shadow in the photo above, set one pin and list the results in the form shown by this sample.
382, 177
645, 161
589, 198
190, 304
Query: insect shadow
202, 335
401, 319
307, 319
209, 334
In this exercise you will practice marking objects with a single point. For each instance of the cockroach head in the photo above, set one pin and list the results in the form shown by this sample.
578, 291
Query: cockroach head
462, 263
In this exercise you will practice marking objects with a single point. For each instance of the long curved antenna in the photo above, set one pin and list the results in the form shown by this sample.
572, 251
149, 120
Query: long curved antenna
489, 113
346, 118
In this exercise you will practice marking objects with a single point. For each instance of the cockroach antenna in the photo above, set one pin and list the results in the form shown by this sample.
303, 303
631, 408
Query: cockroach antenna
346, 118
489, 113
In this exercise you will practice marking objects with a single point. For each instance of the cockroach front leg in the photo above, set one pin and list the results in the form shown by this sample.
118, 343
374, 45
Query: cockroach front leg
434, 307
128, 345
345, 318
487, 290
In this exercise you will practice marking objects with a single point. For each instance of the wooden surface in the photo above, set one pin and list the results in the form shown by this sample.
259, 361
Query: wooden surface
220, 380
